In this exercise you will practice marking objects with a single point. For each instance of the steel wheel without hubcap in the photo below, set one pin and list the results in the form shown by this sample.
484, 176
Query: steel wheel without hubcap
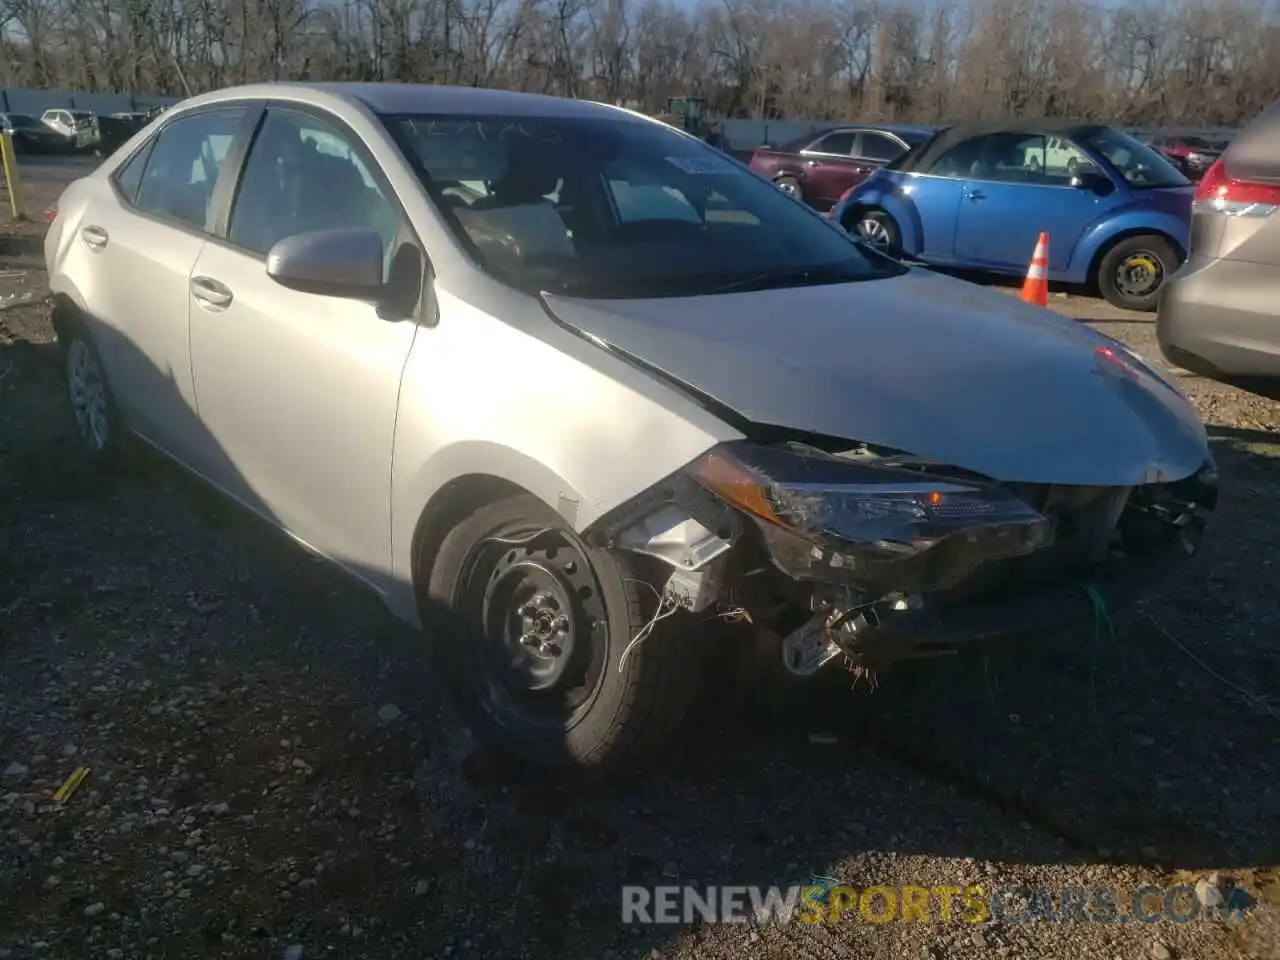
88, 390
1139, 275
544, 639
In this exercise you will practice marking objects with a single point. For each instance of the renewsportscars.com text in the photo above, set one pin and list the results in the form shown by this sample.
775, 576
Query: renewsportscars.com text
1101, 904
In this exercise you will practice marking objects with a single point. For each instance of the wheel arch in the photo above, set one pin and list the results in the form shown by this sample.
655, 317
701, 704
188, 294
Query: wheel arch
1109, 243
458, 481
905, 217
449, 506
65, 316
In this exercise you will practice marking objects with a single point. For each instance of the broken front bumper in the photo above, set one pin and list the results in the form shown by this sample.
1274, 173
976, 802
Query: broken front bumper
1088, 602
873, 563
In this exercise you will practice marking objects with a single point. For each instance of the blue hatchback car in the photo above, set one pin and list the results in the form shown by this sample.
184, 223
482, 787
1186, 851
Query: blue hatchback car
976, 196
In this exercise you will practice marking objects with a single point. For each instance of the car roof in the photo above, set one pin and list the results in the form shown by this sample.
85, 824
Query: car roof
895, 128
903, 131
948, 137
409, 98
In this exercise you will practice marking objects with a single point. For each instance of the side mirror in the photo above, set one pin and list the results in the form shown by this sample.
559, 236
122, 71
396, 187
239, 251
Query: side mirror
342, 262
1093, 181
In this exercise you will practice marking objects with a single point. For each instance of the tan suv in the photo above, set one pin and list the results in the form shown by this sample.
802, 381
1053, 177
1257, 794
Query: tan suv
1220, 314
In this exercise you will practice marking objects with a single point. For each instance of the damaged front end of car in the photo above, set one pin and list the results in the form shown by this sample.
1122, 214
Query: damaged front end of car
869, 556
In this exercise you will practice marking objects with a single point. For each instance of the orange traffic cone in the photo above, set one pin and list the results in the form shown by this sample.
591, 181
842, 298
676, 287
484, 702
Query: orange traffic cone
1035, 289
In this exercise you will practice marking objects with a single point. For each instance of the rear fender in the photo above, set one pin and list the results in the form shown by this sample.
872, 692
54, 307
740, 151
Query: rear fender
1128, 223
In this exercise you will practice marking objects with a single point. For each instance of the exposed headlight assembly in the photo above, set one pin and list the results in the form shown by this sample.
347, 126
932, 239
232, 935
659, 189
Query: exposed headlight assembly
880, 526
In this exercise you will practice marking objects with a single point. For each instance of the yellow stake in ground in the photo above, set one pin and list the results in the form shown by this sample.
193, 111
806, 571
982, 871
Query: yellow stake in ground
9, 163
71, 785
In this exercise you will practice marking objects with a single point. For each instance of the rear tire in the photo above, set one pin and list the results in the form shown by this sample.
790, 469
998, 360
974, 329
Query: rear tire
1132, 274
528, 634
99, 426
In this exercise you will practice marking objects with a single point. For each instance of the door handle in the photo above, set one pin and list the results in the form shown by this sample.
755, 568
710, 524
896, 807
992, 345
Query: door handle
95, 237
811, 163
976, 195
210, 292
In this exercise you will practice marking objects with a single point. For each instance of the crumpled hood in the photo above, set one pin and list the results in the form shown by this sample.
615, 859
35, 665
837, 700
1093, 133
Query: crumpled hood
940, 368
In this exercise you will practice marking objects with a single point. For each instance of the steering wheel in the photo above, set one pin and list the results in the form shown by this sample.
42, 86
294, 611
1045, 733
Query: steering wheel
658, 229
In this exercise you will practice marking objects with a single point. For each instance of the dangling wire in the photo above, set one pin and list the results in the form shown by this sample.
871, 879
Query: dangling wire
667, 605
1101, 615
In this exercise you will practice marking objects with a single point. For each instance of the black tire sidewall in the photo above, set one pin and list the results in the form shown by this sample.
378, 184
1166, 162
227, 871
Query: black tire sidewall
1105, 279
594, 739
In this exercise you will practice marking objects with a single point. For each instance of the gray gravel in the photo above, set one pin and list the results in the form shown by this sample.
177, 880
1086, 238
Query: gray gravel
273, 772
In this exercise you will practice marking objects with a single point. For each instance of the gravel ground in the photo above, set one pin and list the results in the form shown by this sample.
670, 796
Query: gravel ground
273, 772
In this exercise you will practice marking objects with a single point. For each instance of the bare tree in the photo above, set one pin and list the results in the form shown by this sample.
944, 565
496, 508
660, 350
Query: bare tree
1150, 62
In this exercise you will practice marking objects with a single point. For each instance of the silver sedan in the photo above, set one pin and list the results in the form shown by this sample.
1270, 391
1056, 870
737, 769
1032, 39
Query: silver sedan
561, 383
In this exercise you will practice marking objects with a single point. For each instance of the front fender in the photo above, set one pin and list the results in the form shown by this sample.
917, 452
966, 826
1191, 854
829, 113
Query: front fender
1125, 222
537, 406
887, 196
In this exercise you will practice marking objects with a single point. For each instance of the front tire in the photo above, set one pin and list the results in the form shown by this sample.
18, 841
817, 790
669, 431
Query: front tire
790, 186
876, 228
1132, 274
99, 426
528, 625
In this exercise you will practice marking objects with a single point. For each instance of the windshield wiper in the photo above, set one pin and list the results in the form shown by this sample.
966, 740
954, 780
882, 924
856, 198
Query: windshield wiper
793, 277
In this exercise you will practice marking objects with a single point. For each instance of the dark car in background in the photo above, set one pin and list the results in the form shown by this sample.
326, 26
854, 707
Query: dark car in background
30, 135
115, 130
1220, 315
820, 167
1192, 155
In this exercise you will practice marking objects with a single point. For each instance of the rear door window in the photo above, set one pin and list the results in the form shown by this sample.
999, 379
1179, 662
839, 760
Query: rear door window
839, 144
183, 166
876, 146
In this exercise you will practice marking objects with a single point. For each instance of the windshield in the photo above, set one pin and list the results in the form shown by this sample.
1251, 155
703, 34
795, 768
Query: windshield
1141, 166
620, 208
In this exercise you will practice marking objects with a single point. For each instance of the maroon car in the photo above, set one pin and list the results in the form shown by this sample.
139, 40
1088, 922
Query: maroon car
1192, 155
819, 167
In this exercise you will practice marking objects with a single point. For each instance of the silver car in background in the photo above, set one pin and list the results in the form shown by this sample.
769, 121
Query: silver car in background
80, 127
1220, 314
561, 384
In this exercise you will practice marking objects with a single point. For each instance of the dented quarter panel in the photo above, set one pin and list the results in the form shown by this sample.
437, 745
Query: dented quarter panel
938, 367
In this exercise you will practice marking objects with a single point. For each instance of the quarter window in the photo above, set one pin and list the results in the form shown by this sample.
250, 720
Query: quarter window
183, 165
129, 177
305, 174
